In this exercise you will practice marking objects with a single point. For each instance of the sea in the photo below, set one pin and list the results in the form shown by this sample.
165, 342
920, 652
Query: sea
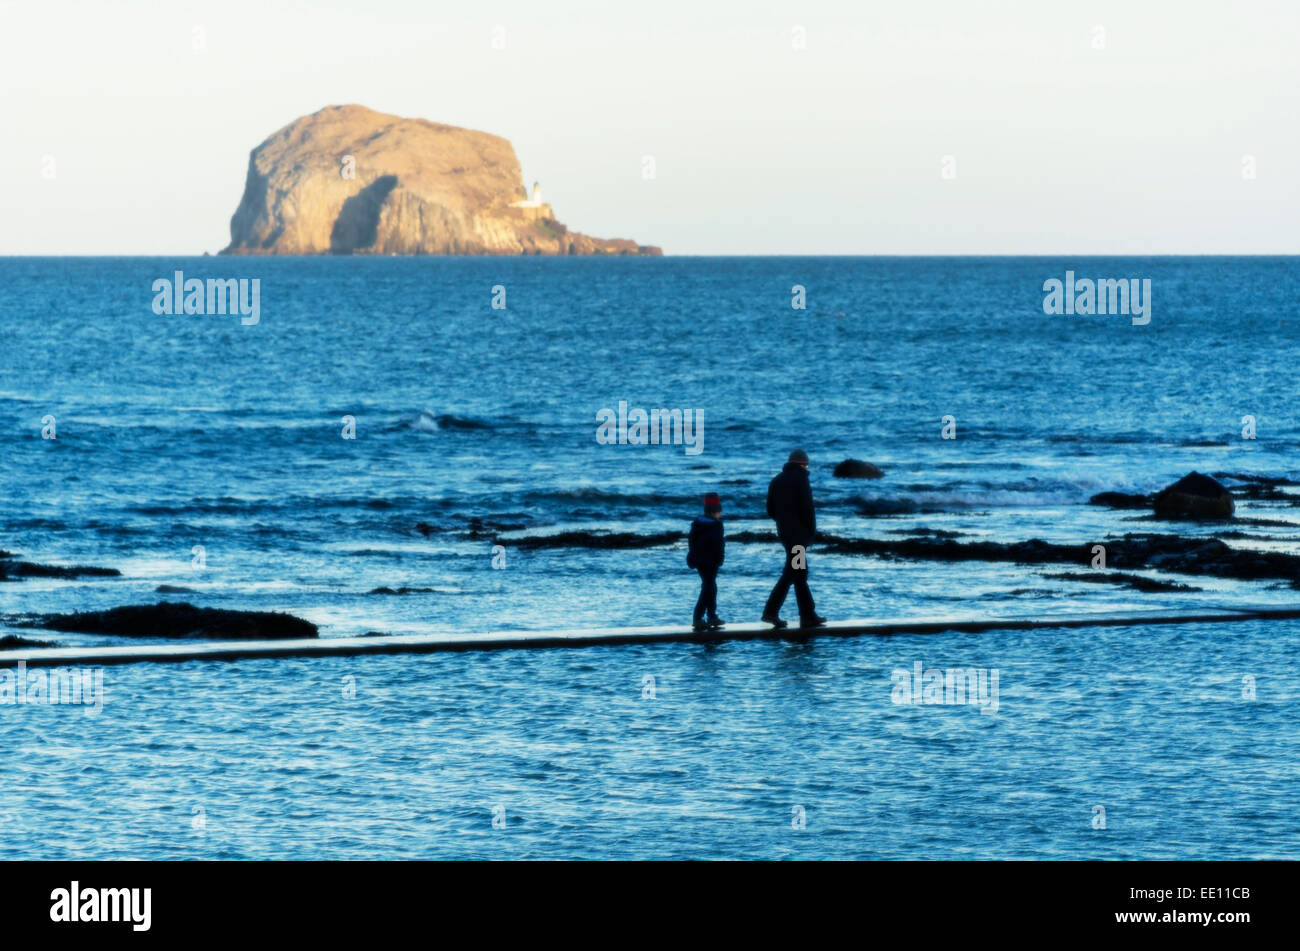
370, 453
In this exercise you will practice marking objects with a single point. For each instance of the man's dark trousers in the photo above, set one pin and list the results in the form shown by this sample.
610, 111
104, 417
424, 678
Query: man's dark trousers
708, 601
792, 576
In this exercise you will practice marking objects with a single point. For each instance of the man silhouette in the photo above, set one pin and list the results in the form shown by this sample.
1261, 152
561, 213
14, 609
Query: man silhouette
790, 504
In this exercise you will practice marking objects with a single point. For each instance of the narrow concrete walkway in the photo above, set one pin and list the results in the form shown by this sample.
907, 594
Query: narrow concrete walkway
524, 640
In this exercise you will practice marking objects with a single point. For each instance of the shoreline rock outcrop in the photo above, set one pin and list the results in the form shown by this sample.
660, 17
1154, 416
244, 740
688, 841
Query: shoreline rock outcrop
349, 180
12, 570
857, 469
1195, 496
179, 619
14, 642
1121, 500
1131, 552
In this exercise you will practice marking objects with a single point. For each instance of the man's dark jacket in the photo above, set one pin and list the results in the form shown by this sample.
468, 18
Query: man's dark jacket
790, 503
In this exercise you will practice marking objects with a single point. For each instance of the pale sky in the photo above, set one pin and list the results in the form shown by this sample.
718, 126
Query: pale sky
1064, 140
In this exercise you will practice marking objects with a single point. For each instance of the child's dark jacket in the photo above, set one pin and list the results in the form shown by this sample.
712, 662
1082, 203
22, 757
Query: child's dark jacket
707, 545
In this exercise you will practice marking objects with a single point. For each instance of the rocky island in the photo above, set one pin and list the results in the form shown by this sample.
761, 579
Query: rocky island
349, 180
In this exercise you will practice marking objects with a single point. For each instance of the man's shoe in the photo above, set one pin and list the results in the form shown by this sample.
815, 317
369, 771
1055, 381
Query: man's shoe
814, 621
699, 627
775, 621
717, 624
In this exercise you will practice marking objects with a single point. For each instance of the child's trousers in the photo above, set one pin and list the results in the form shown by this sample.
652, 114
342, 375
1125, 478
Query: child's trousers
708, 601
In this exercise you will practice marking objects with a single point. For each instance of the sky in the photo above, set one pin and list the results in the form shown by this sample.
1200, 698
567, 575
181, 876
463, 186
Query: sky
947, 127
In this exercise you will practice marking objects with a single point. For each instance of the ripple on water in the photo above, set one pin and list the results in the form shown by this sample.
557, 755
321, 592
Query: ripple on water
562, 747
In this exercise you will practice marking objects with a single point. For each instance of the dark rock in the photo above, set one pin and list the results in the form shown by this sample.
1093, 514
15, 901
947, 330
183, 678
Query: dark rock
746, 538
927, 548
611, 540
1261, 479
1260, 488
173, 589
178, 619
932, 532
65, 571
475, 527
857, 469
10, 570
1121, 500
1261, 522
480, 528
1193, 556
1194, 496
1136, 582
13, 642
402, 590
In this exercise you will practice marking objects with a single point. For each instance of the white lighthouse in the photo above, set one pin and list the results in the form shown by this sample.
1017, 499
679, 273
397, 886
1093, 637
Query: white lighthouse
534, 202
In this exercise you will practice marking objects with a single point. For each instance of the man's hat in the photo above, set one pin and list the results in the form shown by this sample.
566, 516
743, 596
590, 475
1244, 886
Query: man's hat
712, 502
798, 455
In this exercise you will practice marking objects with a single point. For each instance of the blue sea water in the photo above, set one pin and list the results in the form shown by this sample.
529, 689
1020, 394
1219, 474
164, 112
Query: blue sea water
183, 431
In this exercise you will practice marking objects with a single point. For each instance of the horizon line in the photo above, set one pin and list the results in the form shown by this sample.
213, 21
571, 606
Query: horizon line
770, 254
